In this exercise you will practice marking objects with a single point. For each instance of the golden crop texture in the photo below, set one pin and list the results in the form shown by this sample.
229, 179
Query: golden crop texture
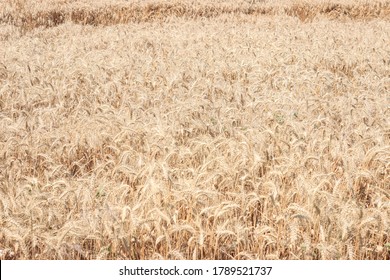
194, 129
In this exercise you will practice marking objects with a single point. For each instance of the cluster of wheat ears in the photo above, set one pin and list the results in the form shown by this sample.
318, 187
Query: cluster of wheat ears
194, 130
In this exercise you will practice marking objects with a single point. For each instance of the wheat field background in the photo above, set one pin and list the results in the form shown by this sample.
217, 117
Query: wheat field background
194, 130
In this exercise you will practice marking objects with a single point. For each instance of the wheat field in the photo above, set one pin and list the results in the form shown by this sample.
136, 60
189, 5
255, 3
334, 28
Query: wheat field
194, 129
